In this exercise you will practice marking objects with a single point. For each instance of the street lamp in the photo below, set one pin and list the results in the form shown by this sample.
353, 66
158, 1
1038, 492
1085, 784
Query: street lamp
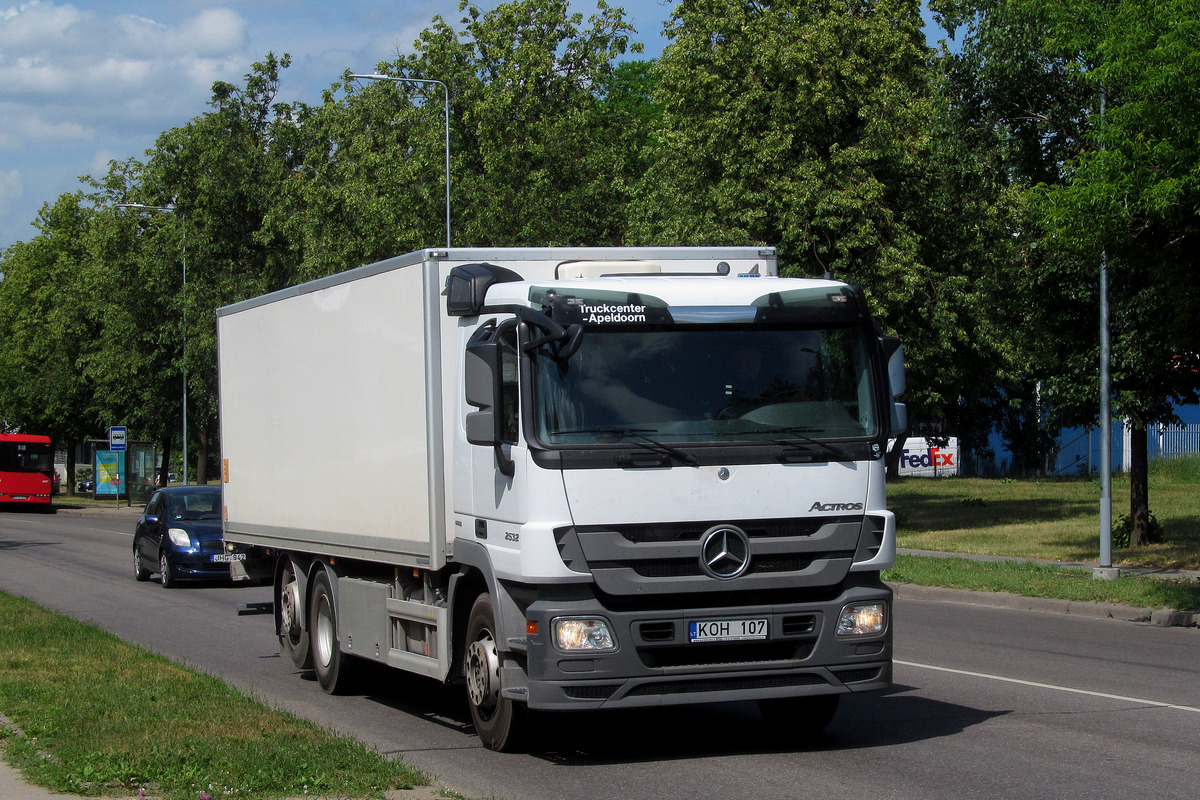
446, 97
183, 222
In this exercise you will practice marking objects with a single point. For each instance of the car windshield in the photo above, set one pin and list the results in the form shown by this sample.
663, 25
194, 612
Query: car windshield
195, 505
707, 384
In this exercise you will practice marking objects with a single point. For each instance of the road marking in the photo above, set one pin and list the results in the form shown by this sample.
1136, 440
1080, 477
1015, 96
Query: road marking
1036, 685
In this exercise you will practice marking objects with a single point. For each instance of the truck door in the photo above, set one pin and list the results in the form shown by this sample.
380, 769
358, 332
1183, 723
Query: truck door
496, 471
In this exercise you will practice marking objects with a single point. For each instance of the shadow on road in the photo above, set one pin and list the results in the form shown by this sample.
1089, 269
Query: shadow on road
898, 716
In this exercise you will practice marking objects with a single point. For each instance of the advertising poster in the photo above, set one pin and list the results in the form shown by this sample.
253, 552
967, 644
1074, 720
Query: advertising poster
926, 459
110, 472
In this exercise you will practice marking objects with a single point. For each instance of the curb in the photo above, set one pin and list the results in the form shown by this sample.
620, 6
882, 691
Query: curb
1163, 618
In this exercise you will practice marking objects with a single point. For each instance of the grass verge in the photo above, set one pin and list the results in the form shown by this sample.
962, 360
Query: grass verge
1041, 580
99, 716
1056, 520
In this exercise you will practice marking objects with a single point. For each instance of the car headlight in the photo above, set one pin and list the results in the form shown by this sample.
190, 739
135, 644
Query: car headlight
583, 634
862, 619
179, 537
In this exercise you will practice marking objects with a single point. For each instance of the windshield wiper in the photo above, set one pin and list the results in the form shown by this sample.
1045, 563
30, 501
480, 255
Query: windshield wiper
644, 441
798, 437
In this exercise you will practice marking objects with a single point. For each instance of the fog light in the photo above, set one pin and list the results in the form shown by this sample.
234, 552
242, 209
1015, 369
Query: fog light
583, 634
862, 619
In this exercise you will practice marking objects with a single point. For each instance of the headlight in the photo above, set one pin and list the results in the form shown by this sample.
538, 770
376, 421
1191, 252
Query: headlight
590, 634
179, 537
862, 619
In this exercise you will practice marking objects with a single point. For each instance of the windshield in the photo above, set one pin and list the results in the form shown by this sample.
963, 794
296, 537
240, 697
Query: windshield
707, 384
26, 457
199, 504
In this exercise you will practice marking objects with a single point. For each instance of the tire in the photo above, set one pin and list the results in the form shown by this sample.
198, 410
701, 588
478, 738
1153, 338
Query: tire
800, 717
500, 722
164, 569
140, 573
293, 632
333, 667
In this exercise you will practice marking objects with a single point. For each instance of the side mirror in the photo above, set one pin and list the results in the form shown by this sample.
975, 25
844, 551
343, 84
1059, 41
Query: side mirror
482, 371
893, 351
467, 285
483, 378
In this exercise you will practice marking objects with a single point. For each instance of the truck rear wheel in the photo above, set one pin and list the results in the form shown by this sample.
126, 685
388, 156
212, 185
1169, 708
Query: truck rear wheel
293, 635
499, 721
328, 660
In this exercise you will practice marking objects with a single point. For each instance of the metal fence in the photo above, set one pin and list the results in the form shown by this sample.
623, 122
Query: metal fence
1169, 441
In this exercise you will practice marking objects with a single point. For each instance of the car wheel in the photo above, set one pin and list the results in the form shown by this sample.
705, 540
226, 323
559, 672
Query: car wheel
140, 573
293, 631
500, 722
164, 569
333, 667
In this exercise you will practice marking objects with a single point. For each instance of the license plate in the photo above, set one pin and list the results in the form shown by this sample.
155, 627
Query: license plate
20, 497
225, 558
727, 630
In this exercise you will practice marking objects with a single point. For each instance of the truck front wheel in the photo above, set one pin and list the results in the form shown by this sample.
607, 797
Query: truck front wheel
499, 721
328, 660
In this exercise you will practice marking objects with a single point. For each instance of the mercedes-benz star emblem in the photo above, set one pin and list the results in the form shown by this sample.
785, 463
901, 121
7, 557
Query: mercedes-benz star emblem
725, 552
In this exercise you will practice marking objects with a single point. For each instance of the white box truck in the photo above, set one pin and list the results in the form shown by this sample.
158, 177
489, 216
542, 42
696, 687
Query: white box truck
571, 478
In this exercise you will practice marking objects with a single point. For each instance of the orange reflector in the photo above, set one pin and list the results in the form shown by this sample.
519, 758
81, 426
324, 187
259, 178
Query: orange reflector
531, 627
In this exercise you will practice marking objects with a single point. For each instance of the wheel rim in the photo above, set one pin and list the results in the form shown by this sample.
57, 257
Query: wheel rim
324, 632
289, 606
164, 568
483, 673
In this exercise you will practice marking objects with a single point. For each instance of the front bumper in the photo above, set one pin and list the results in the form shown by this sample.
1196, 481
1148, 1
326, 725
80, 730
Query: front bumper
216, 562
656, 664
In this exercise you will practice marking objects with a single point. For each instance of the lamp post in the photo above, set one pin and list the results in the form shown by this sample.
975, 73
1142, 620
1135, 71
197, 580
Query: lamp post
446, 97
183, 222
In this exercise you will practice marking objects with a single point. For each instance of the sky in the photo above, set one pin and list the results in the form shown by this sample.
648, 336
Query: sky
86, 82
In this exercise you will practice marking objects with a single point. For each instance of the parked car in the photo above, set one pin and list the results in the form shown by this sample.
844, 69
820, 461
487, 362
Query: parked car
179, 536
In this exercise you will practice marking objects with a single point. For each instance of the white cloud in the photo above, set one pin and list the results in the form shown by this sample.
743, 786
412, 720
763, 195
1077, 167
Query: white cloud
36, 24
212, 32
11, 189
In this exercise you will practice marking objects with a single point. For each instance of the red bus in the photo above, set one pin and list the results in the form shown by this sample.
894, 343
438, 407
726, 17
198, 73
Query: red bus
26, 469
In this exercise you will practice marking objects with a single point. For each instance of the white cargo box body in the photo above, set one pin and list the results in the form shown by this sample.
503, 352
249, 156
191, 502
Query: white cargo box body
338, 398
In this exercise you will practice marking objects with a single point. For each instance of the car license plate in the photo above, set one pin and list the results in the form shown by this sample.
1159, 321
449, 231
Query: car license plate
225, 558
727, 630
20, 497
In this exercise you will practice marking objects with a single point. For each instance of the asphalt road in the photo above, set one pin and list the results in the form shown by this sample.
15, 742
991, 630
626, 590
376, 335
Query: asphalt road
988, 703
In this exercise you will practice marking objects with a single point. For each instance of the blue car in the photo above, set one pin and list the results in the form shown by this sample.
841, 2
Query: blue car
179, 536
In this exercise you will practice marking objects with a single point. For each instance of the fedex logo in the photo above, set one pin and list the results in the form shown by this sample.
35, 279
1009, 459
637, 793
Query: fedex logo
930, 457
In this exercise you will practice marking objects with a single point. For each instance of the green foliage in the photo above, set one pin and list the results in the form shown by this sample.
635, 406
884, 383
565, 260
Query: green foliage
544, 136
965, 190
1122, 531
49, 321
820, 128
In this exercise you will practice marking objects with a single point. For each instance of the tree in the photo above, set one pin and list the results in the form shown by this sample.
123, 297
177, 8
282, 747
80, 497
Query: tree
138, 259
812, 126
1124, 187
49, 322
221, 173
540, 141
